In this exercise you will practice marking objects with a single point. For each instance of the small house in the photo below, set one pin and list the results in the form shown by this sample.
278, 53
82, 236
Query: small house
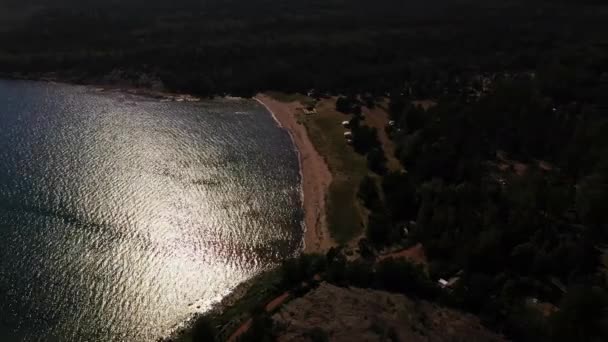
348, 135
448, 284
309, 111
346, 124
453, 281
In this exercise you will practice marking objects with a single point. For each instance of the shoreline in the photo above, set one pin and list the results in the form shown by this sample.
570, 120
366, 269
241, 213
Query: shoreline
314, 173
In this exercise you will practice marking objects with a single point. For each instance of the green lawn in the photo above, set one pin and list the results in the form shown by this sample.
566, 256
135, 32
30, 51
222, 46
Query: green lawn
344, 213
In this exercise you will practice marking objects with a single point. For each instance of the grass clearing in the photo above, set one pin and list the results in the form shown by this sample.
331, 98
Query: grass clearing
345, 215
379, 118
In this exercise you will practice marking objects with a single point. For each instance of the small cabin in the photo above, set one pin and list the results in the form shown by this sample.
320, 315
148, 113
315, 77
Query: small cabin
309, 111
348, 135
346, 124
448, 284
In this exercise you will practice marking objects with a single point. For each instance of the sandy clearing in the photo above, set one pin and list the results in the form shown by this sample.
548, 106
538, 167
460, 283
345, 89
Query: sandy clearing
415, 254
240, 331
275, 303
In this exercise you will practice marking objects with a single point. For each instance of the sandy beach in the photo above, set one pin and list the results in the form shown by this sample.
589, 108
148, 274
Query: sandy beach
316, 176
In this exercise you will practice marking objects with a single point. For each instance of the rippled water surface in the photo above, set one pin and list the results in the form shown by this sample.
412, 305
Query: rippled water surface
120, 216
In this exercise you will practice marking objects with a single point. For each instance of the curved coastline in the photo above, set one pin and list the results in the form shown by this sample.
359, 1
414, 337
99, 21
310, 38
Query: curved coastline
315, 178
315, 174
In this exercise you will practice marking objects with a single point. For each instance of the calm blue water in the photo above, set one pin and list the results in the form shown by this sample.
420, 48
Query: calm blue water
120, 216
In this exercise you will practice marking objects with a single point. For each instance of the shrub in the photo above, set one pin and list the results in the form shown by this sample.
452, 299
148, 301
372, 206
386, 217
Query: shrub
204, 330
